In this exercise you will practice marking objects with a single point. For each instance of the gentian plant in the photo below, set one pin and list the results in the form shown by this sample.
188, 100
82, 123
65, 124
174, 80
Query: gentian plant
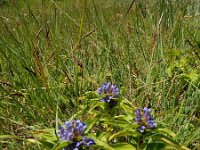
125, 128
72, 131
144, 121
109, 92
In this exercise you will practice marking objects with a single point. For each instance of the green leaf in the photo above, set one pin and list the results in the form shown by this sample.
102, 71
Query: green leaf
115, 123
123, 146
44, 142
193, 76
47, 143
60, 145
169, 141
158, 146
47, 134
98, 104
127, 118
103, 136
91, 94
129, 131
90, 124
34, 141
165, 130
128, 109
100, 143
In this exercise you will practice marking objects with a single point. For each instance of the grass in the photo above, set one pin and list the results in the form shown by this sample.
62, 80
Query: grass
51, 52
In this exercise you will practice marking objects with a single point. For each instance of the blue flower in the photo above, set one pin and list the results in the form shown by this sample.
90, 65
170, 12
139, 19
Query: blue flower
80, 127
138, 115
147, 110
151, 123
87, 141
77, 145
141, 129
108, 90
144, 121
72, 131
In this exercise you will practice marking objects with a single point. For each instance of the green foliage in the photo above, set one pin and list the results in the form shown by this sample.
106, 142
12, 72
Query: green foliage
111, 132
186, 67
54, 54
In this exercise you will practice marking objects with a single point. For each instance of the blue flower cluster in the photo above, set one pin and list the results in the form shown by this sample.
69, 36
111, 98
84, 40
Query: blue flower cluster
72, 131
145, 121
108, 90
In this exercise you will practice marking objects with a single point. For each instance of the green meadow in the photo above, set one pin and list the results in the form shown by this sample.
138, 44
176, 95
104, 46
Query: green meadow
54, 53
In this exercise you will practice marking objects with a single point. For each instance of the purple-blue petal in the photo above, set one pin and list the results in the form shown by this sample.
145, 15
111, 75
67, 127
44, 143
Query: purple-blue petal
106, 87
70, 130
100, 91
151, 123
109, 90
138, 115
106, 99
141, 129
147, 110
80, 127
87, 141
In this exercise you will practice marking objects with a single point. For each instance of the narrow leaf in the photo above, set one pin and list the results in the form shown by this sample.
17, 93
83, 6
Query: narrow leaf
123, 146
